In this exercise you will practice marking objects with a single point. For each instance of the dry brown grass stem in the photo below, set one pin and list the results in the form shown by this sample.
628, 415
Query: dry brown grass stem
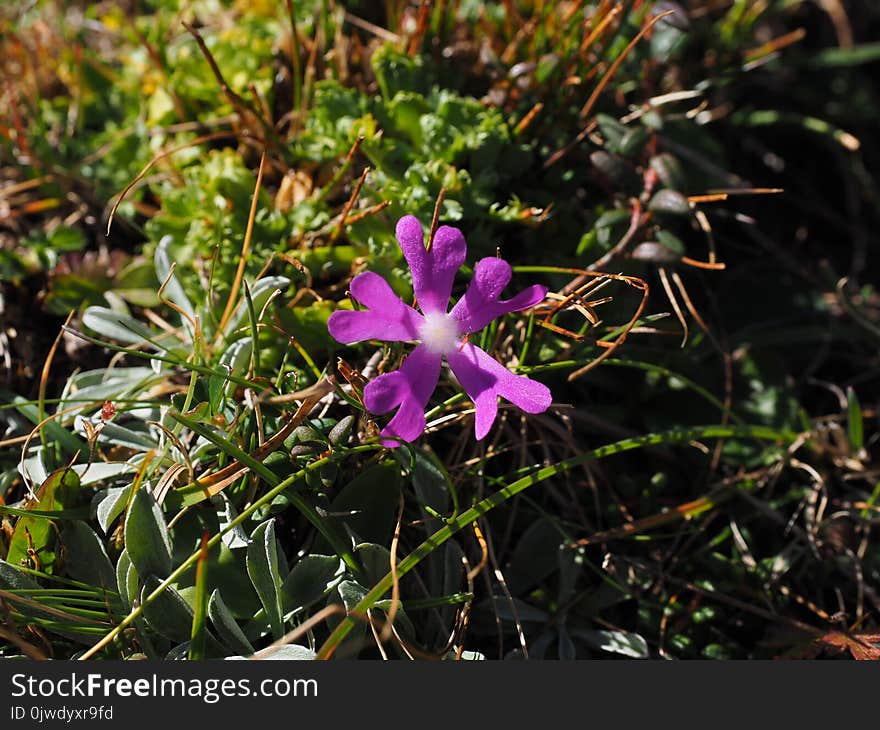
435, 218
232, 302
609, 74
572, 296
395, 585
160, 156
348, 206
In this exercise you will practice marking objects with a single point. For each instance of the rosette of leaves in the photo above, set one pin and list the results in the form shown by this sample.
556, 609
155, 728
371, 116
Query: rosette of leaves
129, 523
418, 138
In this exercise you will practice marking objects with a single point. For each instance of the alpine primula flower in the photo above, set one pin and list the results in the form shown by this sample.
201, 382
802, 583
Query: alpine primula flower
440, 334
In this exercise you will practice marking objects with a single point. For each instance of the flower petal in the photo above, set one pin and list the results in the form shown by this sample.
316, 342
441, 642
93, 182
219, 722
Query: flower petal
410, 388
484, 379
448, 252
480, 303
387, 318
433, 272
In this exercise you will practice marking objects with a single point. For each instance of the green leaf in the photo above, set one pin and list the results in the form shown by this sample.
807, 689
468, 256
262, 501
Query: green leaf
352, 593
402, 623
612, 217
373, 498
65, 238
235, 537
612, 130
260, 293
325, 262
669, 170
120, 327
136, 283
453, 576
633, 141
86, 557
226, 626
199, 630
405, 112
262, 567
670, 35
111, 505
312, 578
535, 556
617, 642
523, 611
566, 648
169, 614
173, 290
12, 579
108, 383
255, 365
146, 536
398, 72
655, 252
671, 241
235, 360
70, 291
376, 561
126, 580
140, 439
616, 170
547, 64
38, 534
310, 324
855, 421
100, 471
78, 513
431, 484
293, 652
669, 201
54, 432
341, 431
854, 56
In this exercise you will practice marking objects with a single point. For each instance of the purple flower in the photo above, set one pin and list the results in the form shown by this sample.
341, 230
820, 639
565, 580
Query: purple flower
439, 334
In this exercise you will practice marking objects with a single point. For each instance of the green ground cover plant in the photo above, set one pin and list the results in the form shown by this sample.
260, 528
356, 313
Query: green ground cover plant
195, 197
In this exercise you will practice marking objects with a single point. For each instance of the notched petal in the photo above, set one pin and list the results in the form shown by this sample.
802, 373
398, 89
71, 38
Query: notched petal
480, 304
484, 379
449, 249
409, 389
491, 275
433, 272
387, 317
409, 234
407, 425
385, 393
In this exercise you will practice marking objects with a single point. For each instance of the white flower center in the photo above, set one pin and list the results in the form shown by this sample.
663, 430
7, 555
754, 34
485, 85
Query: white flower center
439, 332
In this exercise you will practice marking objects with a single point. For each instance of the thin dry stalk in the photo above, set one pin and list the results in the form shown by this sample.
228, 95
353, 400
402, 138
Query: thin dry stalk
241, 105
348, 206
160, 156
664, 280
609, 347
600, 87
395, 585
232, 301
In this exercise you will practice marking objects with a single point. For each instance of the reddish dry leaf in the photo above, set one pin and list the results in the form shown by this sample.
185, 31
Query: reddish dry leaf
861, 646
